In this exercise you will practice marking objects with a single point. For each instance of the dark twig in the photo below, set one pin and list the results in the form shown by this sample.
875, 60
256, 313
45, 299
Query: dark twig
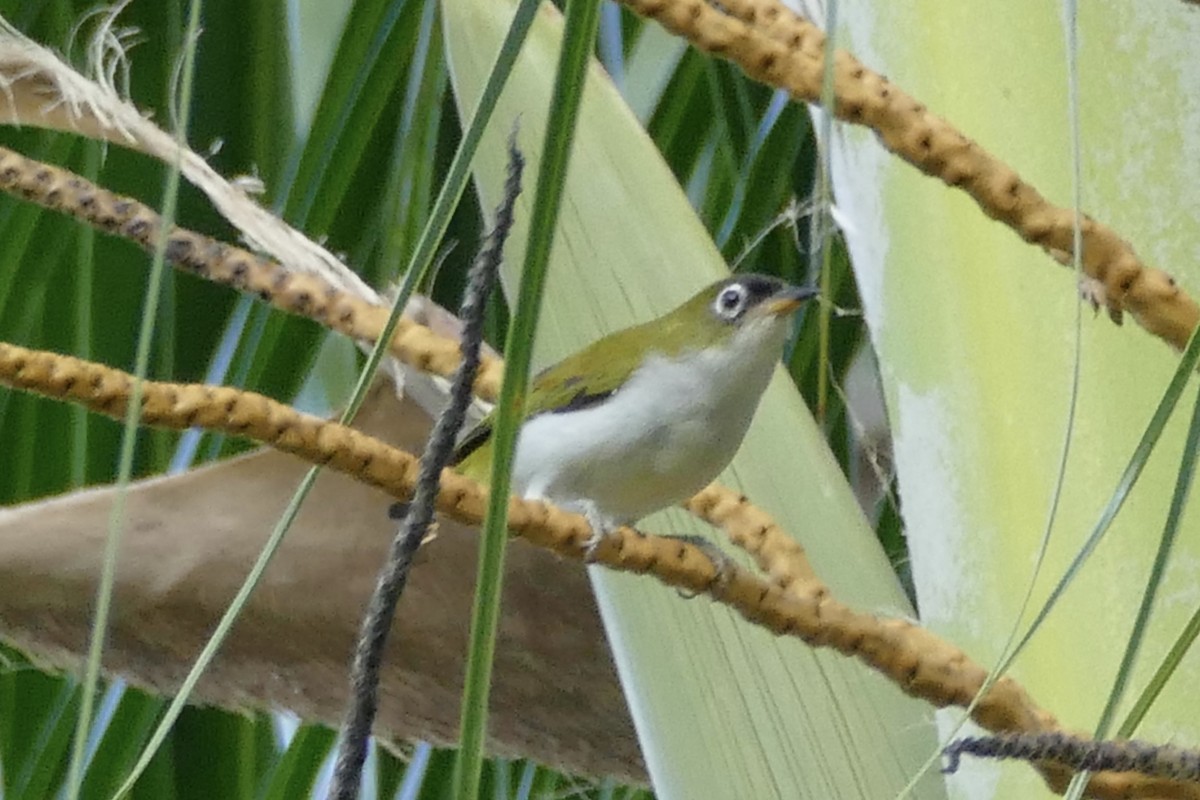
1152, 760
368, 656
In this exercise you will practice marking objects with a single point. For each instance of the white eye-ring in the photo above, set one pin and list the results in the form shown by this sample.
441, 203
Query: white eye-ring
730, 302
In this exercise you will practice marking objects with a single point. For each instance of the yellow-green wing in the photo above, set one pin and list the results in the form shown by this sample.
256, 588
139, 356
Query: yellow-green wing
580, 380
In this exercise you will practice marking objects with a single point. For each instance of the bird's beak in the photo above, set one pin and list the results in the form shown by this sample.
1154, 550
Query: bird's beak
789, 300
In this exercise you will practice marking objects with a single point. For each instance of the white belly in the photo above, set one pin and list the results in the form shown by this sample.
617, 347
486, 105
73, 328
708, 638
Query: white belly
661, 438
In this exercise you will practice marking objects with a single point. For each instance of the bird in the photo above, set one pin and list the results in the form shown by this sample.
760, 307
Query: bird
645, 417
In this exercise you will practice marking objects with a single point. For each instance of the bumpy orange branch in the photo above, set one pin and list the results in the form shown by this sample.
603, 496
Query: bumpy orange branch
775, 46
296, 293
793, 603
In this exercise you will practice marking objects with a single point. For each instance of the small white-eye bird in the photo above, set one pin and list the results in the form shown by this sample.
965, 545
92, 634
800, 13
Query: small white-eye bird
645, 417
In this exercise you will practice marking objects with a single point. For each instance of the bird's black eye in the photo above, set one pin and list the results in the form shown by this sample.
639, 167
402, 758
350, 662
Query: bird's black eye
730, 302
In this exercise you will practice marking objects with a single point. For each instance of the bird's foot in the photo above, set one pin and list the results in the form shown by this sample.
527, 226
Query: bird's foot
723, 564
1093, 292
398, 512
601, 526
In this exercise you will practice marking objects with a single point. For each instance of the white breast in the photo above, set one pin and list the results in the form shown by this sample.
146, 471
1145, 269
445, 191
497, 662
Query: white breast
667, 433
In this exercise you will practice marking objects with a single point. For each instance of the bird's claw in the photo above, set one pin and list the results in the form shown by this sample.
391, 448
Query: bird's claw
723, 564
1093, 292
592, 545
601, 528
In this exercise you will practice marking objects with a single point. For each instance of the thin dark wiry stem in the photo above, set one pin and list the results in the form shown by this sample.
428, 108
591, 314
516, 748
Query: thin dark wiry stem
1154, 760
364, 681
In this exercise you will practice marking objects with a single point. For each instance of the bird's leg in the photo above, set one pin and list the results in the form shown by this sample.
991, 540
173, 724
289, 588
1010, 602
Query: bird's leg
601, 527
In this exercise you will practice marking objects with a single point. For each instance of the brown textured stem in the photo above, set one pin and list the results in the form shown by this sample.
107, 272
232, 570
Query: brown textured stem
793, 603
775, 46
304, 294
777, 554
